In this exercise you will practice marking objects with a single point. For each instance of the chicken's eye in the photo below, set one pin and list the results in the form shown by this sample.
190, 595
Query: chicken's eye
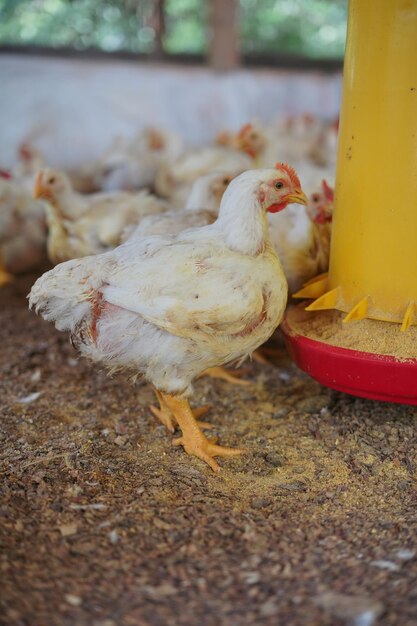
279, 185
316, 198
51, 180
226, 181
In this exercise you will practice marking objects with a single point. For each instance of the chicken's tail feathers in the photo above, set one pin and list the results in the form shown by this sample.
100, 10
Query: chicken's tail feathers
64, 294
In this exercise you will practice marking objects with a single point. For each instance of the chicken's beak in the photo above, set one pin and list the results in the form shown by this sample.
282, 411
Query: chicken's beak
39, 190
298, 197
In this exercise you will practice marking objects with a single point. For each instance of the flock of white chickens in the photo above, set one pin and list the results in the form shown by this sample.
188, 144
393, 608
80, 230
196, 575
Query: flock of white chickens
167, 259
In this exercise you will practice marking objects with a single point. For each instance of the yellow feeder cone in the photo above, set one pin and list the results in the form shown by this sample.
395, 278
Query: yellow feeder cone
373, 257
374, 238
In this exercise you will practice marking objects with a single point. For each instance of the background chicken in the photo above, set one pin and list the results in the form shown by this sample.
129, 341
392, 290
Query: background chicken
251, 139
174, 181
302, 235
304, 140
30, 161
170, 307
81, 225
202, 208
323, 150
131, 163
22, 229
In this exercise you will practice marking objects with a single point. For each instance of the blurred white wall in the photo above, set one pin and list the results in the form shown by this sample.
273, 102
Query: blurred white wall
72, 109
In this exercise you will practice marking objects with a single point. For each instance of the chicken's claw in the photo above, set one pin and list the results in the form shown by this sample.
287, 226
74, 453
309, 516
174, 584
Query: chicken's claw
192, 439
206, 450
231, 377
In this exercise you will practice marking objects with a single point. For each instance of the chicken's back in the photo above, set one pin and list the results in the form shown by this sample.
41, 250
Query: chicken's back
172, 223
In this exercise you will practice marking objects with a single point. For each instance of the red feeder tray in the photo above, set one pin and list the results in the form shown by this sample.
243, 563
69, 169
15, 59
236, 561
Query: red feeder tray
360, 374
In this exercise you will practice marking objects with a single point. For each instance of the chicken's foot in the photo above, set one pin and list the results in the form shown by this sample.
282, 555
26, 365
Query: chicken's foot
233, 377
192, 439
166, 416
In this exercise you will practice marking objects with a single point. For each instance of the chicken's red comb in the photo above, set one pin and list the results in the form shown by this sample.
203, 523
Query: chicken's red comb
25, 152
291, 173
327, 190
245, 128
5, 174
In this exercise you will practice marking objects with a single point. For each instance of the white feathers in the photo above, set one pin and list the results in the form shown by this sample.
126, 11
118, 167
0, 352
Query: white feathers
82, 225
174, 181
201, 208
62, 294
171, 306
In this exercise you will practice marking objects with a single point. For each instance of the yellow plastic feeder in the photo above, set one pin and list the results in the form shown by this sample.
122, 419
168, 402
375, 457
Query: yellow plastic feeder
373, 260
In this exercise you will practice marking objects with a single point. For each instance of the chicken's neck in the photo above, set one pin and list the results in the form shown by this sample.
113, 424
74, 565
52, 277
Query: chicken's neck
322, 236
66, 204
55, 219
243, 223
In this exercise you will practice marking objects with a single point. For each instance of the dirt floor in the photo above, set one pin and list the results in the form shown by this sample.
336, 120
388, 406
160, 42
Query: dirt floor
104, 523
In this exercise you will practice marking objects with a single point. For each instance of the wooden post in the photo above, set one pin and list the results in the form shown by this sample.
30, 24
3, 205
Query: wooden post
224, 48
158, 24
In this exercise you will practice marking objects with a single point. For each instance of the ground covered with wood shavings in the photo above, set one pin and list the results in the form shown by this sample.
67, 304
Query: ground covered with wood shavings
104, 523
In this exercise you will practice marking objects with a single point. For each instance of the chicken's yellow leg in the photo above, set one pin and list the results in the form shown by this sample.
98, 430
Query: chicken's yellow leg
192, 439
165, 415
5, 276
228, 376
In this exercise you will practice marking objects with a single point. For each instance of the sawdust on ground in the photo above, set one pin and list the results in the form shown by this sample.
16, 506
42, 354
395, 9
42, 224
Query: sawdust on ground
105, 523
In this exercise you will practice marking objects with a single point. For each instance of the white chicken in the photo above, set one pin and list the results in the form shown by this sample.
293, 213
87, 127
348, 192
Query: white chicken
22, 229
202, 208
56, 188
169, 307
311, 173
306, 141
323, 151
294, 137
301, 237
29, 163
301, 140
174, 181
133, 163
207, 191
80, 225
253, 140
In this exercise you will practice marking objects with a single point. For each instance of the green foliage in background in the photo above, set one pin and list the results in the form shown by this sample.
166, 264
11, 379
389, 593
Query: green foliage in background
314, 28
108, 25
311, 28
186, 26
